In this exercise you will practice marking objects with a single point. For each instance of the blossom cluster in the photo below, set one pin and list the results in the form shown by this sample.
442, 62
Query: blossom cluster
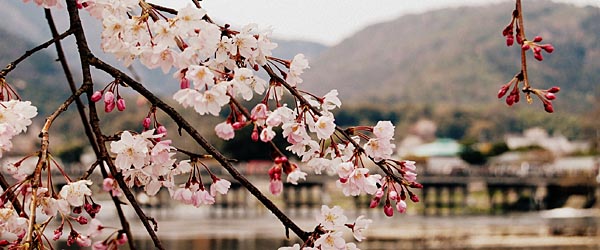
146, 161
514, 31
332, 221
15, 116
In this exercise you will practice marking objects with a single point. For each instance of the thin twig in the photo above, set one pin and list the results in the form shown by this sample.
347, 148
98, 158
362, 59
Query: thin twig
182, 122
11, 66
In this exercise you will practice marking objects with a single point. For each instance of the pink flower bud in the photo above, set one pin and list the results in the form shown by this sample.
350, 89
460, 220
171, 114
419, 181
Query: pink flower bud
379, 193
96, 96
510, 100
537, 49
538, 56
554, 89
548, 107
109, 97
416, 185
525, 47
146, 123
510, 40
238, 125
393, 195
121, 239
184, 83
77, 210
548, 48
413, 197
388, 210
550, 96
57, 233
121, 104
401, 206
282, 159
82, 220
109, 106
161, 130
254, 135
537, 39
374, 202
4, 243
503, 91
343, 180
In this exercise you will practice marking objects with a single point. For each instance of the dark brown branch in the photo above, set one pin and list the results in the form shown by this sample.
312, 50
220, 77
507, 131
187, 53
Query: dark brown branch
11, 66
84, 120
182, 122
84, 55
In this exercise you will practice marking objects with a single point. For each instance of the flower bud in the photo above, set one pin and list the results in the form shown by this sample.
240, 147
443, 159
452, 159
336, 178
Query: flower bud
96, 96
537, 49
81, 220
510, 100
146, 123
161, 130
548, 48
238, 125
393, 195
416, 185
525, 47
77, 210
4, 243
550, 96
510, 40
503, 91
538, 56
374, 202
109, 97
413, 197
388, 210
548, 107
401, 206
121, 239
379, 193
537, 39
121, 104
279, 160
109, 106
554, 89
184, 83
254, 135
343, 180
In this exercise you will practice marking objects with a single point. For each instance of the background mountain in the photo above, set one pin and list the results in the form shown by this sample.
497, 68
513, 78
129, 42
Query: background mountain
445, 66
458, 57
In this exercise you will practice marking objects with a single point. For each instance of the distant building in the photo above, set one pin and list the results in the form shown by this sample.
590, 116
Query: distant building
557, 144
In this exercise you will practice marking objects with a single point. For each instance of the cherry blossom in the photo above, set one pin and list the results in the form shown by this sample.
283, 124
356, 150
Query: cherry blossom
75, 192
331, 218
225, 131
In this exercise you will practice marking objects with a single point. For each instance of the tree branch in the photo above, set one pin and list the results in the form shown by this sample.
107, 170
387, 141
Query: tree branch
287, 222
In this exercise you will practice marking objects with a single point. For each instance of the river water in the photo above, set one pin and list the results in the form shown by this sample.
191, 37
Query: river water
562, 229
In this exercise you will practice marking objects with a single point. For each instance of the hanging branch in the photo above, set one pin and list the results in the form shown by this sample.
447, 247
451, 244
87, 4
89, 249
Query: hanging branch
84, 54
182, 123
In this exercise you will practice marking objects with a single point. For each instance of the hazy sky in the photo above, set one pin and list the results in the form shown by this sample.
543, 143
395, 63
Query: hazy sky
325, 21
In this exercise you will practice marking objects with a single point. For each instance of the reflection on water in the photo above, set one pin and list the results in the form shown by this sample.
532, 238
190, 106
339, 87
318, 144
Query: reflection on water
562, 230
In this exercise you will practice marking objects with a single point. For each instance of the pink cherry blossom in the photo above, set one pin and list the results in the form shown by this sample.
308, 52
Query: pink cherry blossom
225, 131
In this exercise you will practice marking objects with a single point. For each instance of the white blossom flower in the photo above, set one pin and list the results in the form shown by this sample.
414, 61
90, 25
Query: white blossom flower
296, 175
220, 186
297, 67
379, 149
324, 127
331, 218
331, 100
359, 226
384, 130
331, 241
225, 131
130, 150
75, 192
